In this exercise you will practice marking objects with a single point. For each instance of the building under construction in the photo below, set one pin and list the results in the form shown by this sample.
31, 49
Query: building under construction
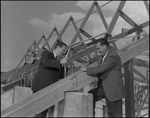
17, 99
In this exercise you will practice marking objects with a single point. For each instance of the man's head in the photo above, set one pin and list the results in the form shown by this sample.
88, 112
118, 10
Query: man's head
102, 46
60, 48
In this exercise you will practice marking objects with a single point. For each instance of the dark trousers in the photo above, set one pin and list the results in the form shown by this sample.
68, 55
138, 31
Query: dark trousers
44, 113
114, 108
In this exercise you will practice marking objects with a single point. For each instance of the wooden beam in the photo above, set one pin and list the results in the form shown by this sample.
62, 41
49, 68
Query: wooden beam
136, 49
129, 86
130, 31
101, 14
146, 5
23, 70
47, 43
88, 36
139, 74
114, 20
64, 29
57, 33
83, 23
75, 26
115, 17
25, 54
36, 47
48, 38
12, 72
140, 62
128, 19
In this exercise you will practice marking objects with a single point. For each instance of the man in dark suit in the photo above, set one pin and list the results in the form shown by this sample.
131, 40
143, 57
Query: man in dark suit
110, 83
49, 69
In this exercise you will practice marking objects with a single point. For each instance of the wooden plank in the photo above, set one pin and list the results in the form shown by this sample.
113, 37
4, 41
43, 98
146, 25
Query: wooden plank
139, 74
146, 5
129, 86
48, 38
47, 43
114, 20
138, 47
75, 26
10, 85
25, 55
130, 31
10, 73
57, 33
88, 36
61, 33
83, 23
128, 19
36, 47
115, 17
101, 15
140, 62
56, 110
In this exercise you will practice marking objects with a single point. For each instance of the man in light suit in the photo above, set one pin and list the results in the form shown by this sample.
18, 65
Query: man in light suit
110, 83
49, 69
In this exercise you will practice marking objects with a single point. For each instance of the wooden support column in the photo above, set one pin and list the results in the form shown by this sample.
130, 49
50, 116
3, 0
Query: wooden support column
129, 86
78, 104
57, 33
25, 54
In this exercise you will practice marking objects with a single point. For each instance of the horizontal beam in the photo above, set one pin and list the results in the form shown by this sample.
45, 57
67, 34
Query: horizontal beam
136, 49
140, 62
132, 30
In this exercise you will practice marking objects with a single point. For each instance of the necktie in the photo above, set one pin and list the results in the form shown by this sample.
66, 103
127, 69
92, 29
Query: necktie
104, 57
100, 59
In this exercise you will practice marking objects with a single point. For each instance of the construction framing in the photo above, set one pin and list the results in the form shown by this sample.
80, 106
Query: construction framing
127, 54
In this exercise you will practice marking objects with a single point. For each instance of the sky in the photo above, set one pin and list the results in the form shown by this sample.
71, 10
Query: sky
22, 22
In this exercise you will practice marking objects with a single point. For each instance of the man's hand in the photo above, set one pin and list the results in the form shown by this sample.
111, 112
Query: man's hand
83, 68
64, 60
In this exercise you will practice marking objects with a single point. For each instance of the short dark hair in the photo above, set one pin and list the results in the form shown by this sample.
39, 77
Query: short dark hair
60, 44
103, 41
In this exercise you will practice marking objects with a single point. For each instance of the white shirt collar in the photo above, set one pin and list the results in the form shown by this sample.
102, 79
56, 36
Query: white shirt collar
54, 54
104, 56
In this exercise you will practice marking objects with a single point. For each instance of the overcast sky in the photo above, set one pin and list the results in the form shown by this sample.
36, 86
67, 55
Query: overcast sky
22, 22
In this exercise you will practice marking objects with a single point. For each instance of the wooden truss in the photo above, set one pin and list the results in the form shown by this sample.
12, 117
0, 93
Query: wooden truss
127, 55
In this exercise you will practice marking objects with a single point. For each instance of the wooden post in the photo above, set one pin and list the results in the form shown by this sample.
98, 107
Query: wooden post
129, 86
78, 104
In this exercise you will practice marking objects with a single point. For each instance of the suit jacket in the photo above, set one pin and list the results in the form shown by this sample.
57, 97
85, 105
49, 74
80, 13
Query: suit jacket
110, 74
48, 73
61, 76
